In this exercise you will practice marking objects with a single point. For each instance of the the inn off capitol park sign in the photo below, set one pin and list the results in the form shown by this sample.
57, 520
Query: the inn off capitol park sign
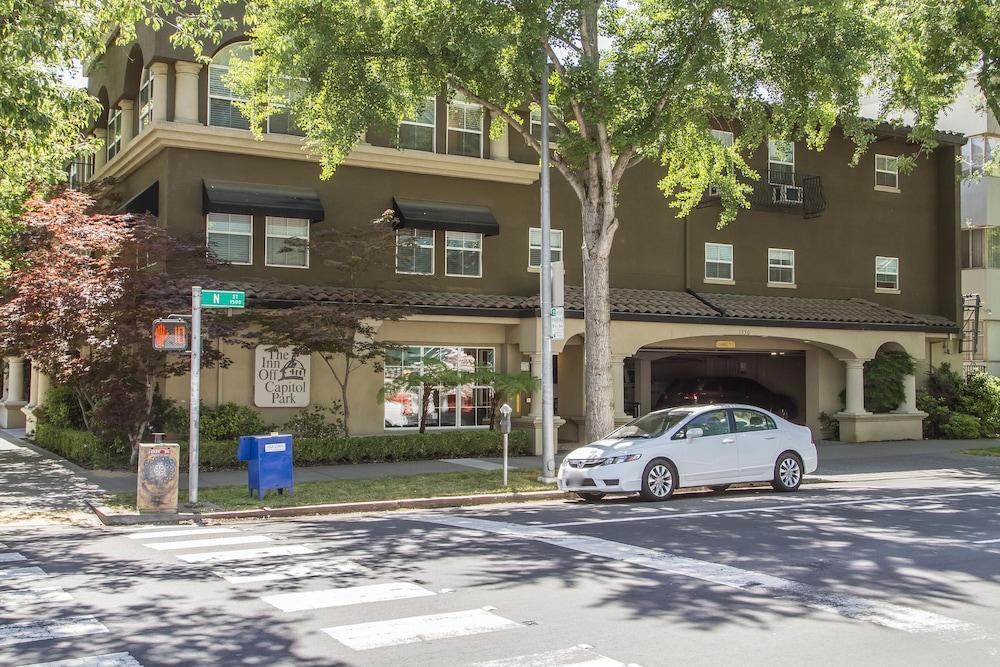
281, 378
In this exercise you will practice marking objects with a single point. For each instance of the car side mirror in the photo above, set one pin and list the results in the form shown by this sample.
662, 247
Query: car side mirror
693, 433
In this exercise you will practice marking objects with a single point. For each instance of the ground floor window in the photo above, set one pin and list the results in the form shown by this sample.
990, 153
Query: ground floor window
449, 407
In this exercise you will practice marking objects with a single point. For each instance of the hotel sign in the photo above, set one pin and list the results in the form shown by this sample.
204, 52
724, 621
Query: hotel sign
281, 378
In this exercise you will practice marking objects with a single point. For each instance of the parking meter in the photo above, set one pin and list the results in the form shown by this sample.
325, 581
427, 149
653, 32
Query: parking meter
505, 411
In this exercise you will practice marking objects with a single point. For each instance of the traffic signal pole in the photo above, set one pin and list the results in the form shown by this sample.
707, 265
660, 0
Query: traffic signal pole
195, 404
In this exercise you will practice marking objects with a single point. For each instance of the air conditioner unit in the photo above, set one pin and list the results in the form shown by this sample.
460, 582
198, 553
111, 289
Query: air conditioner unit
786, 194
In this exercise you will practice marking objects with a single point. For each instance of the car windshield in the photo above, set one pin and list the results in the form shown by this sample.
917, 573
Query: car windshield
652, 425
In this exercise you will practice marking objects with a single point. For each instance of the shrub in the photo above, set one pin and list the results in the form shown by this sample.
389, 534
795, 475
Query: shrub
317, 422
829, 425
962, 427
229, 420
61, 408
938, 413
884, 380
980, 396
83, 448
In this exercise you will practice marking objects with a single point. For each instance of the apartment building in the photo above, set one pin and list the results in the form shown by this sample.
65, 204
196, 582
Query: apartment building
831, 264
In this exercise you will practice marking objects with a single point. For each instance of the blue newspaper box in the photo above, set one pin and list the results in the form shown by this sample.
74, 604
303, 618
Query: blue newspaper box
269, 459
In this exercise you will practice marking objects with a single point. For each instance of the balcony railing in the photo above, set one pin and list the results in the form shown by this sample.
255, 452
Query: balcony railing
785, 191
80, 171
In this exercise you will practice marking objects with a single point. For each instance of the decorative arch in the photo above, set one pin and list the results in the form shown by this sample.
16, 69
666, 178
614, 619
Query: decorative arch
102, 98
134, 66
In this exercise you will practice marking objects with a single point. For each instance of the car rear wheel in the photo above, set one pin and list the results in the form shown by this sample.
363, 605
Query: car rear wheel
590, 497
787, 473
659, 479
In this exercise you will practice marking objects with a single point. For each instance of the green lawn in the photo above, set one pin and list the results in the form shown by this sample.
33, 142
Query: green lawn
983, 451
361, 490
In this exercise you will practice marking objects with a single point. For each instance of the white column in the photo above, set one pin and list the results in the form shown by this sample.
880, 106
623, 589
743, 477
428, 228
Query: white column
186, 92
909, 404
128, 122
101, 156
500, 147
855, 386
39, 388
644, 383
618, 386
10, 411
158, 71
536, 396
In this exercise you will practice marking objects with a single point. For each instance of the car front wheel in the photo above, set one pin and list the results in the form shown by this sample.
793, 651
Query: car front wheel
659, 479
787, 473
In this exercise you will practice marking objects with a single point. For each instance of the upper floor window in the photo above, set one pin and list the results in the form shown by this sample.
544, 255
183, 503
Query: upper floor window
463, 254
535, 124
981, 248
419, 132
718, 261
887, 172
145, 100
222, 110
80, 170
978, 151
780, 266
230, 237
887, 273
780, 162
415, 251
465, 127
724, 137
535, 246
286, 242
114, 132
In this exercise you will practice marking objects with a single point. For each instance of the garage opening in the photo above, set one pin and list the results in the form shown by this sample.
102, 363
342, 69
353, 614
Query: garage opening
772, 379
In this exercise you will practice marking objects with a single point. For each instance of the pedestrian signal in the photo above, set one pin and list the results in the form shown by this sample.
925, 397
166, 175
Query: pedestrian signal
170, 335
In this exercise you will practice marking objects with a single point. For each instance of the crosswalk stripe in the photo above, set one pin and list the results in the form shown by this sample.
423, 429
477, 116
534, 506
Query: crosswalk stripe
205, 544
343, 597
246, 554
44, 594
300, 570
11, 556
106, 660
566, 657
184, 532
22, 573
36, 631
378, 634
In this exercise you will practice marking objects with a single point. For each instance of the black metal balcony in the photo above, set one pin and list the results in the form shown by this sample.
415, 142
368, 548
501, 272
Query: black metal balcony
784, 190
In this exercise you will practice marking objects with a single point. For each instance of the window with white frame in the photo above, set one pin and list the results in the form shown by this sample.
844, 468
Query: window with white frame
886, 171
419, 132
718, 261
222, 109
724, 137
535, 124
979, 151
415, 251
447, 407
463, 254
465, 127
887, 273
145, 100
281, 121
535, 246
230, 237
780, 266
114, 132
780, 162
286, 242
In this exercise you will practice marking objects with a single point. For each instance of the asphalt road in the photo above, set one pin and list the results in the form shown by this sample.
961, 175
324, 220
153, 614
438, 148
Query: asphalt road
891, 570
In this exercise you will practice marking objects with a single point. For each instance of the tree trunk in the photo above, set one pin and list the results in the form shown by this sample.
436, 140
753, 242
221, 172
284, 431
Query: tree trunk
494, 413
425, 400
136, 436
343, 397
597, 322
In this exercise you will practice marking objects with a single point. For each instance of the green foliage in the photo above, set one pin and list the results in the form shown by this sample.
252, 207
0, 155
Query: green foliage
981, 397
61, 408
167, 416
961, 427
505, 387
830, 426
83, 448
231, 421
317, 422
884, 380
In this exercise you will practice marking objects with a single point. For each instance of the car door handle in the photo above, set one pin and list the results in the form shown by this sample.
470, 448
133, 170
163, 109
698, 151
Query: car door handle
729, 441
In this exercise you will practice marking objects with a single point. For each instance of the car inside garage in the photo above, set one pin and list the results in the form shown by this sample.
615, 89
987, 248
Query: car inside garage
773, 379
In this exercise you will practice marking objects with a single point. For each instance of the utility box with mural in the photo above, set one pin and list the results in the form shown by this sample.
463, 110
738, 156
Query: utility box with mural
159, 474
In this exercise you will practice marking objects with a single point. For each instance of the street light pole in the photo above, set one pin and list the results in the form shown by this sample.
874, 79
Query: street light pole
195, 403
545, 278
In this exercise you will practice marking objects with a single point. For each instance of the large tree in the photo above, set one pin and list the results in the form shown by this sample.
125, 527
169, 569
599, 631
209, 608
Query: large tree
631, 82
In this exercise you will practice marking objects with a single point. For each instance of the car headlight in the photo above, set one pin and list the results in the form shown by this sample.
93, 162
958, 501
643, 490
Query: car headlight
622, 459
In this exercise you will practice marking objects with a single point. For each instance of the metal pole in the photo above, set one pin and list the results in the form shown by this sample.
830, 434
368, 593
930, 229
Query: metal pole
195, 395
505, 436
545, 277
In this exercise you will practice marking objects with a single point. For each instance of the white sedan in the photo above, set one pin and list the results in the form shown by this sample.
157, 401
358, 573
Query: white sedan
707, 445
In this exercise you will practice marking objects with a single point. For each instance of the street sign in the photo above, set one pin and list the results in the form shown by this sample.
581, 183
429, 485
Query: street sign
170, 335
558, 323
211, 298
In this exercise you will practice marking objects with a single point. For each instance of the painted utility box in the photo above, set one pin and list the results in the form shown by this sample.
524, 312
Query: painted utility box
269, 459
159, 473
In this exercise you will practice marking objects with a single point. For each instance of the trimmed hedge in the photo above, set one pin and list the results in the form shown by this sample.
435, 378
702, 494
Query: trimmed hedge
84, 449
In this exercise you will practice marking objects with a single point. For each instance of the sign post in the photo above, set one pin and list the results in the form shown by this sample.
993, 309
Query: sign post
545, 278
195, 400
505, 411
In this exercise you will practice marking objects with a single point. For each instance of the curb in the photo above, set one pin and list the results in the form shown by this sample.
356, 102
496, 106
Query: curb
111, 518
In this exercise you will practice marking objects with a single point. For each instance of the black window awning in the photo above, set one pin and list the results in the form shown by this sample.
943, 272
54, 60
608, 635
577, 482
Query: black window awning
147, 201
440, 215
254, 198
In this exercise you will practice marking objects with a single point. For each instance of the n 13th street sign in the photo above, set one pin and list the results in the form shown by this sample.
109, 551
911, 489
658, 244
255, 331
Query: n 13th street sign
223, 299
